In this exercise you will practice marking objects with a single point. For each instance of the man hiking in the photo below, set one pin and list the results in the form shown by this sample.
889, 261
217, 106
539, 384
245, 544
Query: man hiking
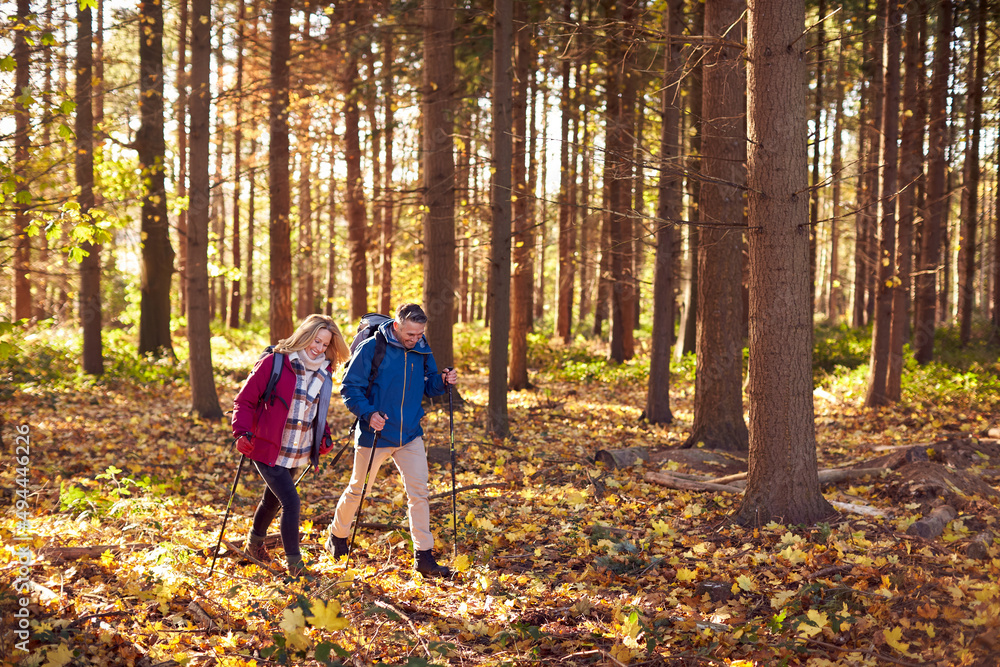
392, 407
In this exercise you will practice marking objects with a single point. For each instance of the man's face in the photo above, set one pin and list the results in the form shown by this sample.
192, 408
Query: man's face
408, 333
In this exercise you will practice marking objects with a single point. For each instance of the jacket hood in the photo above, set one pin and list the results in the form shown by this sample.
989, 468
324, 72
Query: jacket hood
421, 347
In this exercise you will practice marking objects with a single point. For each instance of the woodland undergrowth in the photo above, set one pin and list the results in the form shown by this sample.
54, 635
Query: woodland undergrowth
558, 560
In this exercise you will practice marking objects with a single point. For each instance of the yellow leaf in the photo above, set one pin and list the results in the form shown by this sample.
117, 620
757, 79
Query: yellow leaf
746, 583
107, 558
779, 600
326, 615
684, 574
575, 498
461, 564
59, 657
292, 620
818, 617
892, 638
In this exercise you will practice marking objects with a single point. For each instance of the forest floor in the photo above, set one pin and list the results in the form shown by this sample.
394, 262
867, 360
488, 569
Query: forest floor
559, 560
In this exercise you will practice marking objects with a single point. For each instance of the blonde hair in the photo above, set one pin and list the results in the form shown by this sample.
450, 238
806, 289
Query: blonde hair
336, 351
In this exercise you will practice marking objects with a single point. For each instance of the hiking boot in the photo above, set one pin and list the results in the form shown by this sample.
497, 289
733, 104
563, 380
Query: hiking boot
297, 567
425, 564
336, 546
255, 547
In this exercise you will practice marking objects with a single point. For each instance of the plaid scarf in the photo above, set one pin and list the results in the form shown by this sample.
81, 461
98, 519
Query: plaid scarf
296, 439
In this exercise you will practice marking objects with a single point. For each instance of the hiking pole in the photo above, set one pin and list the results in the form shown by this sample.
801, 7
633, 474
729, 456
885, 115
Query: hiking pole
304, 473
364, 488
229, 506
454, 520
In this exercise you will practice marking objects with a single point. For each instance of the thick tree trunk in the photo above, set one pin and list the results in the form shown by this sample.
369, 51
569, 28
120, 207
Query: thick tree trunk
888, 282
439, 179
22, 147
204, 399
90, 266
782, 482
936, 196
718, 409
304, 261
497, 423
910, 166
357, 224
667, 215
279, 185
970, 189
157, 253
522, 255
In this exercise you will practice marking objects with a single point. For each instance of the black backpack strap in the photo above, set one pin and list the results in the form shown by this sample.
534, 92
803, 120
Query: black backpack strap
272, 382
377, 357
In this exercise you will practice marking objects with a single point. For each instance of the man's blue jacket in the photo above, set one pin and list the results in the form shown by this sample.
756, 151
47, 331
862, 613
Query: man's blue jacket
402, 380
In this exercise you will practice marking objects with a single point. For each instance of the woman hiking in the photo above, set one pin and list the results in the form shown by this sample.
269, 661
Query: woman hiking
288, 430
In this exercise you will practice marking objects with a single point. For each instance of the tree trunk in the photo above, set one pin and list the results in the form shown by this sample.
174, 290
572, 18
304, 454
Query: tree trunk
970, 189
667, 215
836, 174
304, 260
22, 148
910, 165
251, 222
278, 178
157, 253
182, 156
782, 482
204, 399
621, 132
357, 225
718, 408
234, 286
388, 205
687, 331
936, 197
888, 282
590, 222
497, 424
564, 296
817, 143
331, 263
90, 265
217, 285
439, 179
522, 255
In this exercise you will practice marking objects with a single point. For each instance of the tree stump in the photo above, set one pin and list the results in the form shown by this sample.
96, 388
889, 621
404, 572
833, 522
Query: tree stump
622, 458
979, 547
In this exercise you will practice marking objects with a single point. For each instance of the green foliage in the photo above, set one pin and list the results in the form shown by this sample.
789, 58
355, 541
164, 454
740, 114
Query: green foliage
840, 347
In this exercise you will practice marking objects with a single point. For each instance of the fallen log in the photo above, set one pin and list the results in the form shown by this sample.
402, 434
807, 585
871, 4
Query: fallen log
672, 482
826, 475
622, 458
934, 523
979, 547
858, 509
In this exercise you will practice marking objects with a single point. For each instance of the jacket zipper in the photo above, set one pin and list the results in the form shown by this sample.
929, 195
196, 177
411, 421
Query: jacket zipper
403, 397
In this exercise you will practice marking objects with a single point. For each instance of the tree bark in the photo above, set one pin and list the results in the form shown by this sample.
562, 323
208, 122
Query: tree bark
522, 255
181, 111
936, 195
782, 482
835, 305
667, 215
564, 296
22, 148
278, 178
817, 142
90, 265
388, 205
204, 399
888, 281
497, 423
157, 253
620, 140
439, 178
235, 296
251, 224
910, 167
306, 282
970, 189
718, 409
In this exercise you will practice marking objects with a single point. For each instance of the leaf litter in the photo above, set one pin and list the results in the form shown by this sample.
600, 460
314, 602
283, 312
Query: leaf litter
559, 559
